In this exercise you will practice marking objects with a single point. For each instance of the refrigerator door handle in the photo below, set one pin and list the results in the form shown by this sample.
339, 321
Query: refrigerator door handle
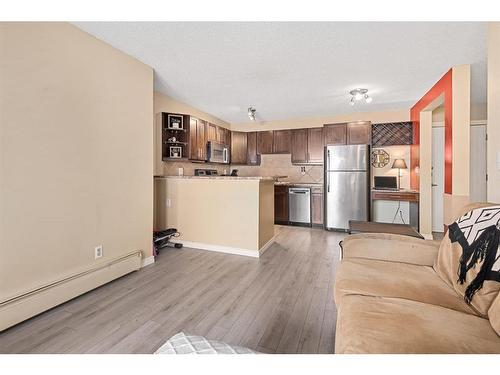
327, 168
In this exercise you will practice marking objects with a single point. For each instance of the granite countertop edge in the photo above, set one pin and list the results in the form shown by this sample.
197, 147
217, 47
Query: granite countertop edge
218, 178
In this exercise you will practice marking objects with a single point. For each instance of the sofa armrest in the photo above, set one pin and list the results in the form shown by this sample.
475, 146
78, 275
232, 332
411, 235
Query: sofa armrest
390, 247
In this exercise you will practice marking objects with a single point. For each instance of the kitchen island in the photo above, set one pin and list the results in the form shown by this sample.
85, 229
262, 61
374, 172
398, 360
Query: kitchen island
227, 214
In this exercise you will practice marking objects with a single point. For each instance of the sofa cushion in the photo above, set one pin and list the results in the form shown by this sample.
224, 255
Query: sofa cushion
390, 247
446, 267
392, 279
494, 314
391, 325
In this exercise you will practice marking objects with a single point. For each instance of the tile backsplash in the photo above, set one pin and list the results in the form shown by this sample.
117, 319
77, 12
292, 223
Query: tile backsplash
281, 165
271, 165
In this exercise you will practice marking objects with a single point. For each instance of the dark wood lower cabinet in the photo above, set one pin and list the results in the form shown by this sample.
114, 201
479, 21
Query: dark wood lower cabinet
280, 204
317, 206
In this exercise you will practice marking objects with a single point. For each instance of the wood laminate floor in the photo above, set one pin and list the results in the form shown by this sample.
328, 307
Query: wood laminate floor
280, 303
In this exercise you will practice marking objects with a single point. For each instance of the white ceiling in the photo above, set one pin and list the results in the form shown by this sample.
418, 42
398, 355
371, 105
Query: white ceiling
298, 70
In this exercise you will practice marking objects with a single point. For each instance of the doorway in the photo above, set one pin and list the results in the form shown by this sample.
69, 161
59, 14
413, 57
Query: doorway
437, 178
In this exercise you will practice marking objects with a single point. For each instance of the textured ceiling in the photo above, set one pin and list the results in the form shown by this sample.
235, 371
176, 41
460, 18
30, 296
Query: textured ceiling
297, 70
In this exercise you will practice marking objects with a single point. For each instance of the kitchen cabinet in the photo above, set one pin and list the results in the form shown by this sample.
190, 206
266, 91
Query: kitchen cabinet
212, 132
265, 142
227, 136
317, 206
315, 145
307, 146
359, 133
280, 204
299, 146
239, 148
282, 141
197, 139
335, 134
252, 157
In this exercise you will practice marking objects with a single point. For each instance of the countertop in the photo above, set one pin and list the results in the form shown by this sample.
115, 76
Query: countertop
220, 178
306, 184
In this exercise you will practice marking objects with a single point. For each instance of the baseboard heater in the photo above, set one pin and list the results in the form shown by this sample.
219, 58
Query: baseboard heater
26, 305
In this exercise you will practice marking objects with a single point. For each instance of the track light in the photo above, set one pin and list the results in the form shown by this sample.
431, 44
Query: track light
358, 94
251, 113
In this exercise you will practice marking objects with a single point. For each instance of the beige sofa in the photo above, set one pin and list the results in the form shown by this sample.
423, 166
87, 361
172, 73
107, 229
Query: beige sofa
397, 294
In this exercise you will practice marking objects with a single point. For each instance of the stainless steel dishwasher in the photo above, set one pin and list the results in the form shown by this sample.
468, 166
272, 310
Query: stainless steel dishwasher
299, 205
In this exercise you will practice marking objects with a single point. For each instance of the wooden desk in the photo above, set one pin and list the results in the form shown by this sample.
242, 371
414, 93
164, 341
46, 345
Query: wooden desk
396, 195
356, 226
410, 196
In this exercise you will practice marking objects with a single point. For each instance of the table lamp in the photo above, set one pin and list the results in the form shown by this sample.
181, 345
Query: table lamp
399, 164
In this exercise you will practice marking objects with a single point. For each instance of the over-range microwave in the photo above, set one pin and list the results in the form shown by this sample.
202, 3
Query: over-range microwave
217, 152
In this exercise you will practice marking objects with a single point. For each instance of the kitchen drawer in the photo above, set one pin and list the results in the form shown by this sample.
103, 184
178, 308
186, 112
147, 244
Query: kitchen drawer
317, 190
395, 196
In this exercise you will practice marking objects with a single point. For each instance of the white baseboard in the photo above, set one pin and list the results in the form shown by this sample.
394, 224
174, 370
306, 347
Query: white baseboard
225, 249
267, 245
427, 236
147, 261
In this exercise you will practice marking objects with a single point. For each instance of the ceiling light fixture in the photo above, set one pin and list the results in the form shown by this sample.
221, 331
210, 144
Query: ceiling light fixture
358, 94
251, 113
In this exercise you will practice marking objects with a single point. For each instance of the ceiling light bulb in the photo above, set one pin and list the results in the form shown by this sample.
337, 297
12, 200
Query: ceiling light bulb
368, 98
352, 102
358, 96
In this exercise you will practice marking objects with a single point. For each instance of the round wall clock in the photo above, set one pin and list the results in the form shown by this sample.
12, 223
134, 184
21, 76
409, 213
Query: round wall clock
380, 158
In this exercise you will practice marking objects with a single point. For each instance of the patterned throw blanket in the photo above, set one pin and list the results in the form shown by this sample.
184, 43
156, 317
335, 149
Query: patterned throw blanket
478, 233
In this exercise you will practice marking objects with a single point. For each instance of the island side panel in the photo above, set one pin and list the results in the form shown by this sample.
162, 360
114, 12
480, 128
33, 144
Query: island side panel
219, 212
266, 214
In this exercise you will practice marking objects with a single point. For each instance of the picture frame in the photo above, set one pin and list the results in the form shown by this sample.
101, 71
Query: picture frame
175, 122
175, 152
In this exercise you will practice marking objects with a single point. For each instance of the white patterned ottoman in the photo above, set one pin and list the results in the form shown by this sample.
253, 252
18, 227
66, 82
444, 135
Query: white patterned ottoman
190, 344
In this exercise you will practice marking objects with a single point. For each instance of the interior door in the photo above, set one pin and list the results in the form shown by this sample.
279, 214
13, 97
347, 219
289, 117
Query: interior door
478, 163
437, 178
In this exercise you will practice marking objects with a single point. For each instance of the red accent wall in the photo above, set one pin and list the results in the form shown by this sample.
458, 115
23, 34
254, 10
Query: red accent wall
443, 86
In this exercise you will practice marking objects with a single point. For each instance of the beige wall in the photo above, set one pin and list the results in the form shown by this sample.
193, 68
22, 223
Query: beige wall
76, 154
395, 152
493, 127
478, 112
425, 188
374, 117
231, 213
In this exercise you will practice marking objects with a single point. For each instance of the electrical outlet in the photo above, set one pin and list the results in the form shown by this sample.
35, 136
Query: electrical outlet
303, 170
98, 251
168, 202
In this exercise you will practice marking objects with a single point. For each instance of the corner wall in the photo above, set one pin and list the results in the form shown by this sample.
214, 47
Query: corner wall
493, 127
76, 155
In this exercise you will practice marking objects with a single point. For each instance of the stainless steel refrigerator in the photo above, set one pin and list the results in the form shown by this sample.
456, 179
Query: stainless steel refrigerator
347, 185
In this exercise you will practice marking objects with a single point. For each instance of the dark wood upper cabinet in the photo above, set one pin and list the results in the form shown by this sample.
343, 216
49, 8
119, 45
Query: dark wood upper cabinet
359, 133
197, 139
212, 132
315, 145
265, 142
252, 157
335, 134
282, 141
227, 137
299, 146
239, 148
193, 143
